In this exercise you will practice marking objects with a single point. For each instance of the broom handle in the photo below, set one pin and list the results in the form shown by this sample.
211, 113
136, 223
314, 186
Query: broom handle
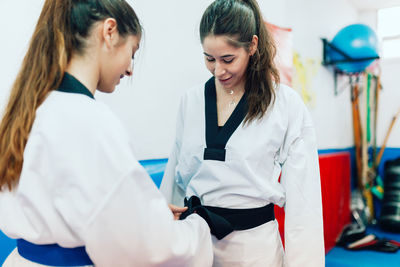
357, 130
378, 87
379, 157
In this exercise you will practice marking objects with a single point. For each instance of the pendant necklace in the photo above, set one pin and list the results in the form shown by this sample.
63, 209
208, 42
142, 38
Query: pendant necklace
232, 103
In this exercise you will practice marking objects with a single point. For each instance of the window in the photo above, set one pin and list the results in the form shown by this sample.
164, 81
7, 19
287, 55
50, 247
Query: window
389, 31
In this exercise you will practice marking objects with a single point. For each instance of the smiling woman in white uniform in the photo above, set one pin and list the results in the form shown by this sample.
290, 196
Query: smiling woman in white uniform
236, 134
72, 192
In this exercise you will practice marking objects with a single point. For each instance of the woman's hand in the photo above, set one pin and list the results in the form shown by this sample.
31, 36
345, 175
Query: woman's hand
177, 211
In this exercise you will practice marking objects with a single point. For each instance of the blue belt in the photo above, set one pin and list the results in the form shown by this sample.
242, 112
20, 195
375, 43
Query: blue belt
53, 254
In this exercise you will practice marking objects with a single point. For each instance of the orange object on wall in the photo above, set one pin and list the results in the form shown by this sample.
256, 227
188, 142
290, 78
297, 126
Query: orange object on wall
335, 188
283, 38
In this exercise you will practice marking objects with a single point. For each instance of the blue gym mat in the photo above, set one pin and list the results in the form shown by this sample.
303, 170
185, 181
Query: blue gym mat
6, 246
340, 257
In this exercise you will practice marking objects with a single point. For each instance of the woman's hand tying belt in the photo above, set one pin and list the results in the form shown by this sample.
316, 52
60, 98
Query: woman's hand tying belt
176, 210
219, 226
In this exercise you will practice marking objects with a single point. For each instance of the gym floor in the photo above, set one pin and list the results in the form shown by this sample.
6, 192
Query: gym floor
340, 257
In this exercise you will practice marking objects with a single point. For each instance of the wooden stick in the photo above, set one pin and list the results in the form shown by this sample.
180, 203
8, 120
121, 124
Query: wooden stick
364, 134
379, 157
378, 87
356, 129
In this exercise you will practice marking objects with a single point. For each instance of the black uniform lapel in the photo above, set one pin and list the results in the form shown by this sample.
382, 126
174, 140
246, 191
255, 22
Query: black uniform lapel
216, 140
70, 84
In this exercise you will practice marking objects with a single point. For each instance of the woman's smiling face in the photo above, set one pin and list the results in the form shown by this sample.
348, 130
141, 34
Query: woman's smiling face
226, 62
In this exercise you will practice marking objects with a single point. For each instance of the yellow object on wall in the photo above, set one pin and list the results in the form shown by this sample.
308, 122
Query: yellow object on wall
304, 73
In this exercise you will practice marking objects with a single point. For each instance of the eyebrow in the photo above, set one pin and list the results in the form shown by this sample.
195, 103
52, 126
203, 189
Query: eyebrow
224, 56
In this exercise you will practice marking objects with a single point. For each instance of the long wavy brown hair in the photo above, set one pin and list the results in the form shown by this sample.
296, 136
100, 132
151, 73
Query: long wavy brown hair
240, 20
61, 30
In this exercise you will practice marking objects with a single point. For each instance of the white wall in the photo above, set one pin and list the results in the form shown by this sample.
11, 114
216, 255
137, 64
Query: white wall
170, 61
18, 25
312, 20
389, 103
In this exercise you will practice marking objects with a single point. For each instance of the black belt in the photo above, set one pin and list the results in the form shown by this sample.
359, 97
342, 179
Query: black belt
223, 221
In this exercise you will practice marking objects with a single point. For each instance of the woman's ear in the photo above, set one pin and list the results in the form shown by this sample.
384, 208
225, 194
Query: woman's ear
254, 45
110, 32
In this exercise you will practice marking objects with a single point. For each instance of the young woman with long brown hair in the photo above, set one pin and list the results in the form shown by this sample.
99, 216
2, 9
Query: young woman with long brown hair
236, 134
72, 192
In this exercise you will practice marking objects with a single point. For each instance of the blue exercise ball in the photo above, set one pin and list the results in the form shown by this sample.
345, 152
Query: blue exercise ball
357, 41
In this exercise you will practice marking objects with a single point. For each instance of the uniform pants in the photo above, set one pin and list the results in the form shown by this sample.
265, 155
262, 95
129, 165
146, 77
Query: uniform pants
257, 247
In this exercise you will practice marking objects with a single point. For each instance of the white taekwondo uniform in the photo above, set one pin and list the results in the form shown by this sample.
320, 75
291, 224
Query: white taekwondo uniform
82, 186
244, 174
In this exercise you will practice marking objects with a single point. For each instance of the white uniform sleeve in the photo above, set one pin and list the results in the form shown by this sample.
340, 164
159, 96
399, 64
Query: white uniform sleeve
134, 227
112, 205
304, 241
172, 192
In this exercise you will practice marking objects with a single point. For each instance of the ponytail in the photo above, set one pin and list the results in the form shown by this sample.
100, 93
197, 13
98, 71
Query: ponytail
61, 30
241, 20
41, 72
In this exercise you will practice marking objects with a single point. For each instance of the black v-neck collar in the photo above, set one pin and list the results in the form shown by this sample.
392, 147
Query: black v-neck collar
70, 84
216, 139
